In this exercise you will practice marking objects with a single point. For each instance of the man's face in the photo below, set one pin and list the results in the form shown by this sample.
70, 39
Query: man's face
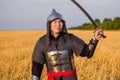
56, 25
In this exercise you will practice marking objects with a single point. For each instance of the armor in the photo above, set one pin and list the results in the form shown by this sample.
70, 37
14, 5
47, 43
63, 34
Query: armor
60, 61
35, 77
57, 53
54, 15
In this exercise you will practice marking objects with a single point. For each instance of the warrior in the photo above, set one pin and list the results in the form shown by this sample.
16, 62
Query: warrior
56, 49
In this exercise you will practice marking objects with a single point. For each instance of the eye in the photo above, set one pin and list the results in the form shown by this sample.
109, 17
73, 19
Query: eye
55, 21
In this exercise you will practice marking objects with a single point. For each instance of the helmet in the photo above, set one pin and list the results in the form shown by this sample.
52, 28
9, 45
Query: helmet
54, 15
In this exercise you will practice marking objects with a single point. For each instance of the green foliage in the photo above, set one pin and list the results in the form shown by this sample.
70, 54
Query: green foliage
107, 24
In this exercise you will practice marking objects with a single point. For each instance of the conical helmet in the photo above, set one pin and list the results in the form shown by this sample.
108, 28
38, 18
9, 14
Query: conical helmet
54, 15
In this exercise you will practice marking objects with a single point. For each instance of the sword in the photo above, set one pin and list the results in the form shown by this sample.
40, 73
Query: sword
86, 13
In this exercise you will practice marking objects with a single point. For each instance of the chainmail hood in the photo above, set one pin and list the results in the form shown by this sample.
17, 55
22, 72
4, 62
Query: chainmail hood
54, 15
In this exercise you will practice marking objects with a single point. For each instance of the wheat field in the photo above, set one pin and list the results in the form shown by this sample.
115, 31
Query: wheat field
16, 49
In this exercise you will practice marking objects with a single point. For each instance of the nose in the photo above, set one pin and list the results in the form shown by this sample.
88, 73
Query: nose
58, 24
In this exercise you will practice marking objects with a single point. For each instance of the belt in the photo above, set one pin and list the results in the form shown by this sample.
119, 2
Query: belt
52, 75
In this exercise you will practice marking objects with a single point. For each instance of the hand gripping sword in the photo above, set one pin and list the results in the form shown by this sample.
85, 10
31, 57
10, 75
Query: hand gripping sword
85, 12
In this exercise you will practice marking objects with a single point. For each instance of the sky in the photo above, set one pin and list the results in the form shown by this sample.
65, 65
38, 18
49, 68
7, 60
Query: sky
32, 14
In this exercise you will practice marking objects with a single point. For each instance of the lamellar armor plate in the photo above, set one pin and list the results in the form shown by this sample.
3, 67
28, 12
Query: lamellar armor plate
60, 61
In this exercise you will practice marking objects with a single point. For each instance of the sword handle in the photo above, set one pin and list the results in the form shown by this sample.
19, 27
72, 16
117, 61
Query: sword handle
104, 36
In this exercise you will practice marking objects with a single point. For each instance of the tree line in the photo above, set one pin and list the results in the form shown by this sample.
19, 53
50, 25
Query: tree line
107, 24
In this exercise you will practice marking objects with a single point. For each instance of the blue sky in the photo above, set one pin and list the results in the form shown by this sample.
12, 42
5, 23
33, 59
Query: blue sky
32, 14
